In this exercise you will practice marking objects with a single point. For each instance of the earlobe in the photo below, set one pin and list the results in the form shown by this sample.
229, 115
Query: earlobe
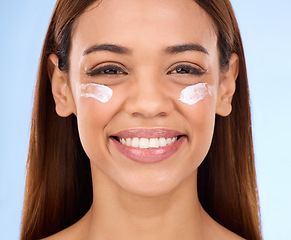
226, 87
61, 90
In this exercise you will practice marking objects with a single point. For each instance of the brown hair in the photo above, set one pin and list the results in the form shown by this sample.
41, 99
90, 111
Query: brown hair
59, 185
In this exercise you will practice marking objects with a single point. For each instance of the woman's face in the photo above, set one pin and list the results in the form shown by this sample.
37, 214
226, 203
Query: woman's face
130, 65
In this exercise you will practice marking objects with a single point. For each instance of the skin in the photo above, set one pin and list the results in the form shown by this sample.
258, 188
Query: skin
136, 200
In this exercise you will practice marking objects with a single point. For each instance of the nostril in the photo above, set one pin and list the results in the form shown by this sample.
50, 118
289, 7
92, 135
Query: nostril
149, 114
163, 114
148, 102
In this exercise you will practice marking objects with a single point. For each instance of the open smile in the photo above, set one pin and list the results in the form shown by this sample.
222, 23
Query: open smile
148, 145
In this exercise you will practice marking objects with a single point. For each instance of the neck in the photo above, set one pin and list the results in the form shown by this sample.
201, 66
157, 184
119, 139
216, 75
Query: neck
118, 214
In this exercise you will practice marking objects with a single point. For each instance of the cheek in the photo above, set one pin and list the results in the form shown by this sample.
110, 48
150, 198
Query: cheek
198, 104
92, 118
98, 92
201, 119
195, 93
95, 109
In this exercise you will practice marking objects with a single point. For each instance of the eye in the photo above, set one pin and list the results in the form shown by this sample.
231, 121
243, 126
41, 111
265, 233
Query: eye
187, 69
106, 70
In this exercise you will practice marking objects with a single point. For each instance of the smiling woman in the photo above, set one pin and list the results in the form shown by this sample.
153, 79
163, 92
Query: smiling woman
141, 125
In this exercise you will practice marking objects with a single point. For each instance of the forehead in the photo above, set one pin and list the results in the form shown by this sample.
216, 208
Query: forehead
144, 23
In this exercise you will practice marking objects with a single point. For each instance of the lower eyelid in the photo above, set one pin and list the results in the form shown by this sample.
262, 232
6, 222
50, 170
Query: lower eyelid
187, 66
97, 72
198, 72
101, 68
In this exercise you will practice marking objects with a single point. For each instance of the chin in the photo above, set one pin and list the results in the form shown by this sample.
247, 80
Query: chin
154, 181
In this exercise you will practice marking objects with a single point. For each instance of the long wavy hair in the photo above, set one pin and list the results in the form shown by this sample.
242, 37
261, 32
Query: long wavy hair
58, 188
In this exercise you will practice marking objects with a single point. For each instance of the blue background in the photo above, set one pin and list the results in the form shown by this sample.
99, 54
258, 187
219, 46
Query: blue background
266, 31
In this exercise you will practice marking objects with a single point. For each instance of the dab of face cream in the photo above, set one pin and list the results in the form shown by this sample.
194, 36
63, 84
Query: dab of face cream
195, 93
99, 92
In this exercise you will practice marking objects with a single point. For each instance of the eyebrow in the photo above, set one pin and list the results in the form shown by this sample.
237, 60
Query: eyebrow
107, 47
123, 50
186, 47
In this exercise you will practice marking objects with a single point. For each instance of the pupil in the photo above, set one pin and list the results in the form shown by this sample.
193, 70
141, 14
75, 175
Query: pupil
110, 71
182, 70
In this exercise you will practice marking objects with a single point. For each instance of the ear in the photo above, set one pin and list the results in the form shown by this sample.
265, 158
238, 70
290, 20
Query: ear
65, 104
226, 88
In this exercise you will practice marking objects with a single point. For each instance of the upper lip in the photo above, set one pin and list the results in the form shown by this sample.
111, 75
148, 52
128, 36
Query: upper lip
148, 133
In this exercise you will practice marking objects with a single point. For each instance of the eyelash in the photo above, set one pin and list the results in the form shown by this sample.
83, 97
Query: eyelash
107, 70
187, 69
115, 70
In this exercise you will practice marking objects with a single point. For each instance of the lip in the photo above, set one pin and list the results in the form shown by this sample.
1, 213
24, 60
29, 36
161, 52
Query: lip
148, 133
152, 155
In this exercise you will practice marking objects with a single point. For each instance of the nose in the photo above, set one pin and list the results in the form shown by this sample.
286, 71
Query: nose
148, 99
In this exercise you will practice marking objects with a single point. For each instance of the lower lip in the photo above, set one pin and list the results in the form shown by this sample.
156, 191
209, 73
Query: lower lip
151, 155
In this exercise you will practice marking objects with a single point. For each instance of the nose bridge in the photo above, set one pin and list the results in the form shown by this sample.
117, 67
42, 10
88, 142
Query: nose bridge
149, 98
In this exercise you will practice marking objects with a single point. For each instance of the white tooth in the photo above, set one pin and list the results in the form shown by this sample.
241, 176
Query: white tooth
135, 142
169, 141
144, 143
128, 142
122, 140
162, 142
174, 139
154, 143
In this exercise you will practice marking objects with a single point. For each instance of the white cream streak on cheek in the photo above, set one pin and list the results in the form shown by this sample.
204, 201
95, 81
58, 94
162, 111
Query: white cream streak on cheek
99, 92
195, 93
